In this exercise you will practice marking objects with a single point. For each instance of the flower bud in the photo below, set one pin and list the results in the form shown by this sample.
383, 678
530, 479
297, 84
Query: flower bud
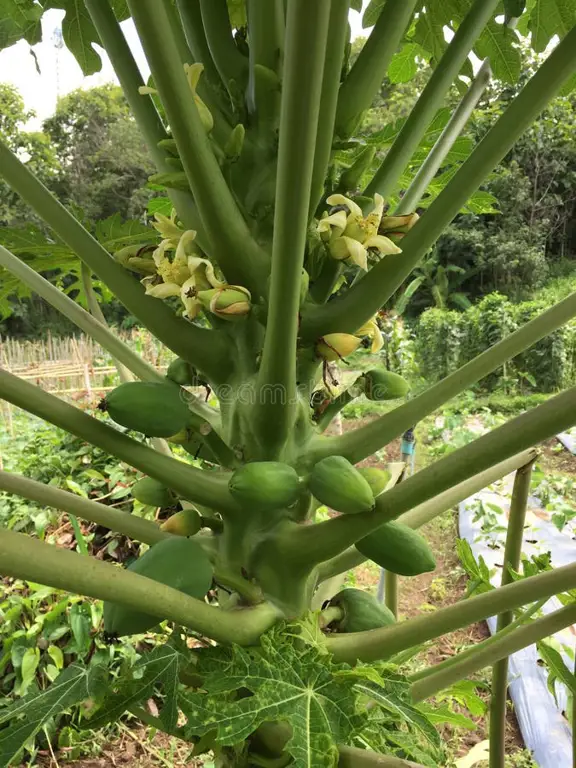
335, 346
229, 303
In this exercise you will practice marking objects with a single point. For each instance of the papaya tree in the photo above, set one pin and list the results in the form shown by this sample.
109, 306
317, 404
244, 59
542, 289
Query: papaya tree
280, 238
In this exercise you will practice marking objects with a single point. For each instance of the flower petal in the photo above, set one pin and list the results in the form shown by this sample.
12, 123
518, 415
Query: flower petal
336, 220
377, 341
347, 248
382, 244
163, 290
353, 207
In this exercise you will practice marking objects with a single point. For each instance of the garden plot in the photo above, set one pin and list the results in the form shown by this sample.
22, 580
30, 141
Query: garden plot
483, 522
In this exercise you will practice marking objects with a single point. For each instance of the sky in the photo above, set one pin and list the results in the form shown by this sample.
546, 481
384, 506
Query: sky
59, 72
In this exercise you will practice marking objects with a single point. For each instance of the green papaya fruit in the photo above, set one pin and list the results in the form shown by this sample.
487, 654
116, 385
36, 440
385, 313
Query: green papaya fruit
339, 485
177, 562
153, 493
376, 478
265, 485
380, 384
362, 611
185, 523
155, 408
398, 549
182, 372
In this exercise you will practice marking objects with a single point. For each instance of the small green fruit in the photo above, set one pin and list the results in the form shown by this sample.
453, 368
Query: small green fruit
384, 385
339, 485
155, 408
376, 478
362, 611
185, 523
177, 562
152, 493
183, 373
399, 549
264, 486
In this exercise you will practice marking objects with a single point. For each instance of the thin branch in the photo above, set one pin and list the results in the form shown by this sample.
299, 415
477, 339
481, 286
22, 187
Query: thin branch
194, 484
445, 142
365, 78
206, 349
48, 495
338, 32
229, 62
142, 107
431, 98
490, 651
306, 35
383, 643
305, 546
266, 27
512, 555
26, 558
362, 442
230, 240
91, 326
360, 303
191, 16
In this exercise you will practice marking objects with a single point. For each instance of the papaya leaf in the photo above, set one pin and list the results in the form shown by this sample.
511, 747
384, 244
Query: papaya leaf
372, 13
20, 19
159, 668
393, 697
555, 663
388, 135
288, 683
500, 44
79, 34
429, 32
404, 65
28, 715
443, 715
356, 5
115, 233
549, 18
514, 8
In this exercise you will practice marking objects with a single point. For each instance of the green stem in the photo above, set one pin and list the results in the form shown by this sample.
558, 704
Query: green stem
382, 643
91, 326
427, 511
352, 757
26, 558
501, 648
266, 26
142, 107
313, 544
512, 555
338, 32
306, 34
365, 78
359, 304
206, 349
431, 98
359, 443
229, 62
523, 617
323, 287
340, 402
154, 722
445, 142
129, 525
231, 244
194, 484
391, 592
191, 16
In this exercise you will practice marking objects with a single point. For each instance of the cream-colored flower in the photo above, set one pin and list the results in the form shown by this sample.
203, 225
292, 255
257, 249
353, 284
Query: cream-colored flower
350, 235
160, 290
372, 331
168, 227
193, 73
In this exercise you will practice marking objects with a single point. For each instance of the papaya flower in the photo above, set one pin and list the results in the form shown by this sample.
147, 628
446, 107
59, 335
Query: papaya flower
193, 74
167, 227
350, 235
397, 226
372, 331
202, 278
